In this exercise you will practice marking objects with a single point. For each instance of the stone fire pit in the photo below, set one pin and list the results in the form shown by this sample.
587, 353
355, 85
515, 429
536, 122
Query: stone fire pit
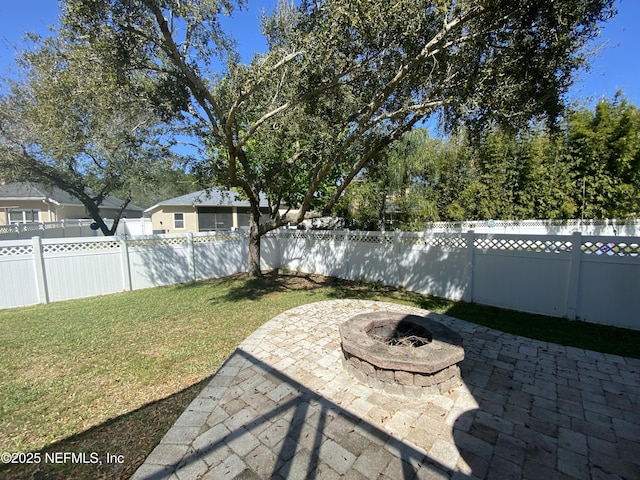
402, 354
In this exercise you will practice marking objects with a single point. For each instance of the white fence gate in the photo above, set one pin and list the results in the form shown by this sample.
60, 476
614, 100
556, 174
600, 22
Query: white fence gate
596, 279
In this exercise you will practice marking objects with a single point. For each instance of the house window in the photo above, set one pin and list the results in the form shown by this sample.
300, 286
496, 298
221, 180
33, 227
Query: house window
178, 220
24, 216
215, 218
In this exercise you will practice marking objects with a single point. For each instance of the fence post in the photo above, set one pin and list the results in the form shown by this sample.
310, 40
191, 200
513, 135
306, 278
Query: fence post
470, 236
274, 245
397, 259
192, 255
345, 256
126, 265
573, 282
307, 259
244, 249
41, 277
281, 246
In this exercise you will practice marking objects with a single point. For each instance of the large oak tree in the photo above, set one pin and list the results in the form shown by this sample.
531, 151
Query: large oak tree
342, 80
72, 122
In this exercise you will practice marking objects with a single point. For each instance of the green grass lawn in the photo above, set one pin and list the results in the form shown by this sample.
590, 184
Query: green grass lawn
112, 373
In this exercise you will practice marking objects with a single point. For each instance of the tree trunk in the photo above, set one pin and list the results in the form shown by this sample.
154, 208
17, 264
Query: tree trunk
94, 213
106, 231
253, 264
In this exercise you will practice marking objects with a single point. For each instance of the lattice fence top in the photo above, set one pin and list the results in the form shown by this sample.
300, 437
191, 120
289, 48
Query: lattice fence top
80, 247
523, 245
157, 241
621, 249
607, 246
218, 237
371, 237
544, 244
446, 242
328, 236
470, 224
31, 227
290, 234
14, 250
441, 241
321, 235
182, 239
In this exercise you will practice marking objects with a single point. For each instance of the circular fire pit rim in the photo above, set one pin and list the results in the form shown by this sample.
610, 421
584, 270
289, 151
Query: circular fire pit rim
444, 350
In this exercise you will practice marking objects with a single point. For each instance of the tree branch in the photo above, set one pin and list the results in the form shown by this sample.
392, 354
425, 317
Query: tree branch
200, 91
370, 155
427, 51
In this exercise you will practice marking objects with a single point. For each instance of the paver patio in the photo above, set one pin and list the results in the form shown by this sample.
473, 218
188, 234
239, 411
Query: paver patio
283, 406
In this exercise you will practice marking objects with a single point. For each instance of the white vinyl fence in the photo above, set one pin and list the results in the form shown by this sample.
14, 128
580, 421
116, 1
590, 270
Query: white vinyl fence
61, 229
131, 227
69, 228
627, 227
596, 279
42, 270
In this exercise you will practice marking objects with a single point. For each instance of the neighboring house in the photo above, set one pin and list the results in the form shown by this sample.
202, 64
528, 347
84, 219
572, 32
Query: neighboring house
29, 202
202, 211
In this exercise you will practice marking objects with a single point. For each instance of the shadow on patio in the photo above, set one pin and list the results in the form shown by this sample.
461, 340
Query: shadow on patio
264, 424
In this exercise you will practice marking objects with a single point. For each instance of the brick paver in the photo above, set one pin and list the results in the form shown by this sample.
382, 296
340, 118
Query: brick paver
282, 406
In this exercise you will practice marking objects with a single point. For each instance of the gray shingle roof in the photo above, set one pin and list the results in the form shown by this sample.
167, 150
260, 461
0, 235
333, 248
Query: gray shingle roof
38, 191
208, 198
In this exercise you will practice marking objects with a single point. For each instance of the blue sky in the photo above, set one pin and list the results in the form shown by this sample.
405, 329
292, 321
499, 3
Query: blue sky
616, 66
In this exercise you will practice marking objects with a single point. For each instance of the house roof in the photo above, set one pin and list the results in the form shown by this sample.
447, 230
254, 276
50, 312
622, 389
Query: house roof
17, 191
213, 197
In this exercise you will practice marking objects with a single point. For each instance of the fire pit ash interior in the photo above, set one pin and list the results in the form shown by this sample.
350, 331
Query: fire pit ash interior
402, 354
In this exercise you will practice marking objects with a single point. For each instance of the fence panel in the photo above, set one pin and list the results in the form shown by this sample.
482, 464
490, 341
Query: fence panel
525, 281
219, 254
529, 273
368, 256
77, 268
38, 271
610, 281
169, 259
435, 264
589, 278
609, 292
270, 257
17, 274
293, 247
160, 260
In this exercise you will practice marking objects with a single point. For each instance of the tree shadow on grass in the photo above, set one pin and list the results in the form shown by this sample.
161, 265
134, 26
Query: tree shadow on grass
241, 287
132, 435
